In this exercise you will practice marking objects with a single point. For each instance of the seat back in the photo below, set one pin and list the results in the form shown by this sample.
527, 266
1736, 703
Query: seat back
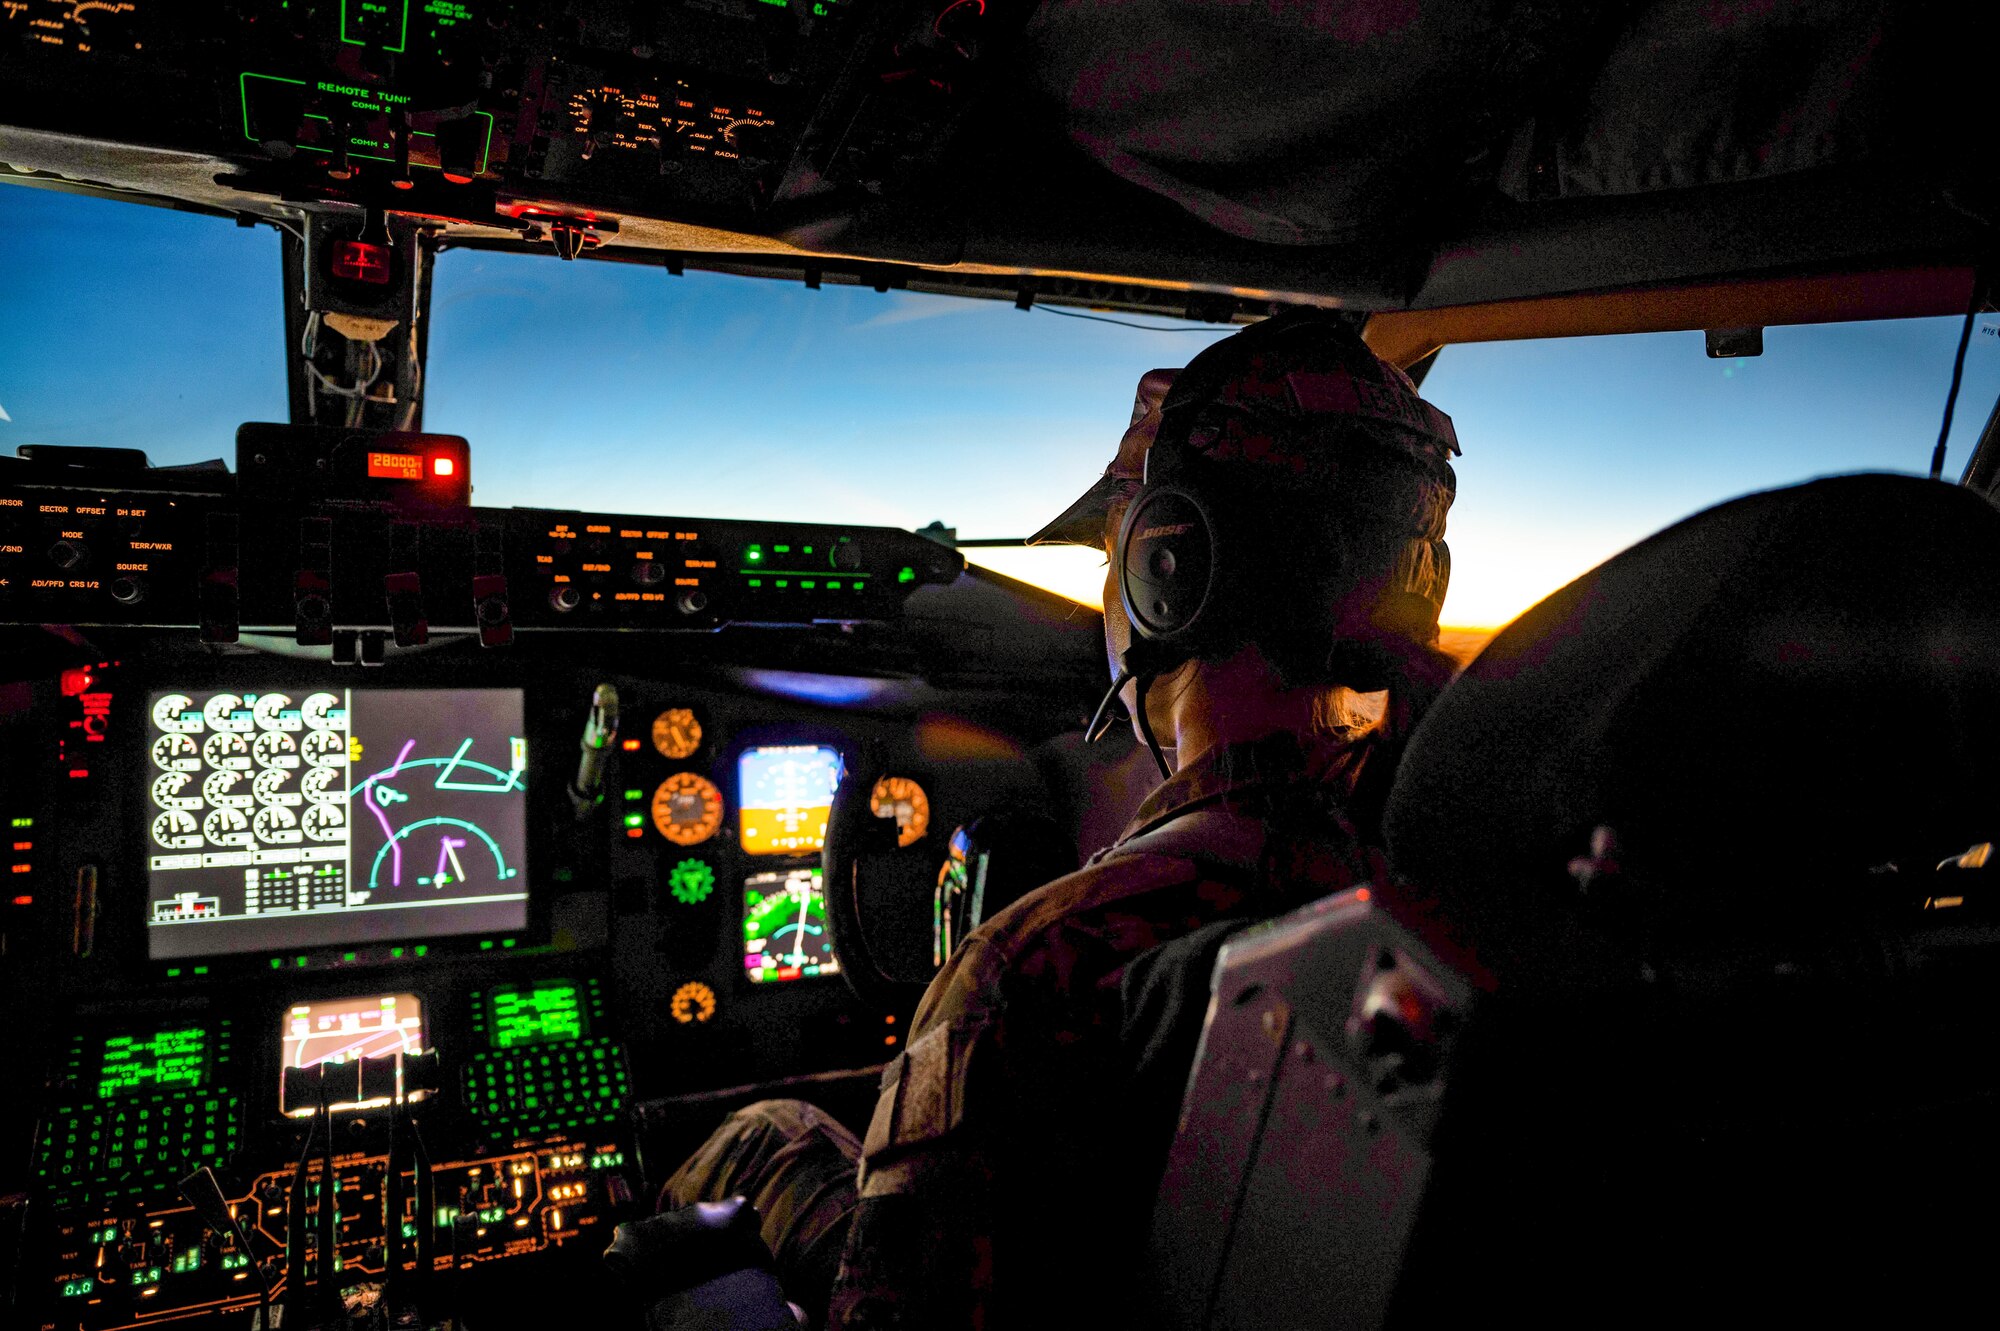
1730, 1050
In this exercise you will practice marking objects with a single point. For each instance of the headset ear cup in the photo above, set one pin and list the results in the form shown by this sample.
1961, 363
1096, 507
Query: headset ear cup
1168, 564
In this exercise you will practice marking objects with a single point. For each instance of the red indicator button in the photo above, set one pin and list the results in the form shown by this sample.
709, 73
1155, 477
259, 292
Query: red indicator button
395, 466
358, 261
443, 466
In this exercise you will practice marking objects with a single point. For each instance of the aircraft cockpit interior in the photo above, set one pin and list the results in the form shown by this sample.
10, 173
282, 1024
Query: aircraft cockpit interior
399, 886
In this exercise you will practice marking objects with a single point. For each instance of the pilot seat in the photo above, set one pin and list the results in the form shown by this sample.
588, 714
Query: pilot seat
1682, 1003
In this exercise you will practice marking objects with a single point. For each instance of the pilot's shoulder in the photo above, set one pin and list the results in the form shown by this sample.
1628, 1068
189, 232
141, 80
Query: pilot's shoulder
1038, 926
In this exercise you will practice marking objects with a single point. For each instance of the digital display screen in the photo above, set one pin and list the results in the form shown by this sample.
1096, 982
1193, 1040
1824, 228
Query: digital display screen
344, 1030
289, 819
784, 927
395, 466
536, 1014
157, 1060
785, 794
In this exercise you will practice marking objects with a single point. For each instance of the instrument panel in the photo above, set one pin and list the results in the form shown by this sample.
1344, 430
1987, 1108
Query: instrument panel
449, 945
509, 114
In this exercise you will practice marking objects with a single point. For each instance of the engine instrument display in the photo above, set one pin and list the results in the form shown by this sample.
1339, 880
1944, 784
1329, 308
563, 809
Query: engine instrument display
676, 733
343, 1030
283, 820
786, 792
784, 926
536, 1014
687, 809
904, 800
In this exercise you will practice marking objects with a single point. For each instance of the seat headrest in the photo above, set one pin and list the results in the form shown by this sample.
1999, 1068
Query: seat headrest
1793, 684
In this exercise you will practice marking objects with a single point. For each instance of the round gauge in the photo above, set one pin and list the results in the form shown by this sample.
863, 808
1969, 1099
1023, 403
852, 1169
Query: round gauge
274, 748
176, 830
167, 792
176, 753
687, 808
322, 711
266, 787
220, 790
270, 714
693, 1002
275, 826
676, 733
904, 800
325, 822
323, 748
323, 784
175, 714
226, 751
690, 881
225, 712
226, 827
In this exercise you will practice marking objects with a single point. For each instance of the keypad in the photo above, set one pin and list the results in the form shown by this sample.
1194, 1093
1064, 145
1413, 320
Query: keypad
547, 1086
136, 1147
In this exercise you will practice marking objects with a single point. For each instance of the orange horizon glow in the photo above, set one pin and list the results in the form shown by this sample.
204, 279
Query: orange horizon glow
1077, 574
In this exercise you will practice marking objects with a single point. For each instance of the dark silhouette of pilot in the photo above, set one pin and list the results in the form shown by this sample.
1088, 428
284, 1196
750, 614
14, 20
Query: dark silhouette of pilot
1008, 1172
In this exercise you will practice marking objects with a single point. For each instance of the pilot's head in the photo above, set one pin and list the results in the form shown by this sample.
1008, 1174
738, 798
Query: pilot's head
1284, 493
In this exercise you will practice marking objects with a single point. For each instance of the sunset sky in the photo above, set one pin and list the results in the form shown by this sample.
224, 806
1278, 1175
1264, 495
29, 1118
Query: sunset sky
619, 387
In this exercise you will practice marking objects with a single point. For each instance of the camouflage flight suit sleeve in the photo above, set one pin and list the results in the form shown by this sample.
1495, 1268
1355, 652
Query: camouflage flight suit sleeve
968, 1183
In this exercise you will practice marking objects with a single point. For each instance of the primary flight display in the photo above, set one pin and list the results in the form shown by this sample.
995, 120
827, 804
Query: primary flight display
300, 819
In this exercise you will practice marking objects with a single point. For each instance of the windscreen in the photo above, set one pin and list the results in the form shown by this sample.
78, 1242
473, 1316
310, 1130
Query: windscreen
286, 818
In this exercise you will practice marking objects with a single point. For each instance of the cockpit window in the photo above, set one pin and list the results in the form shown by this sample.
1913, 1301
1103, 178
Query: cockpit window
597, 385
614, 386
134, 327
1577, 447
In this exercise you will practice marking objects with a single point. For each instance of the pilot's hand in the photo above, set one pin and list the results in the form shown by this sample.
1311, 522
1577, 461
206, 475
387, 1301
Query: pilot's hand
702, 1268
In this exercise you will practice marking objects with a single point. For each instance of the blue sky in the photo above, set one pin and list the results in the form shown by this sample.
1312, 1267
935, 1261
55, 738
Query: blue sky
623, 388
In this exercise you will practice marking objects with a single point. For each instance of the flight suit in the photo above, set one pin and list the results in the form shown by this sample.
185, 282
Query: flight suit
1009, 1170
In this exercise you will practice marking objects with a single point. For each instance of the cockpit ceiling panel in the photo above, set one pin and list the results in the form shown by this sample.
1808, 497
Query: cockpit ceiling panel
1355, 152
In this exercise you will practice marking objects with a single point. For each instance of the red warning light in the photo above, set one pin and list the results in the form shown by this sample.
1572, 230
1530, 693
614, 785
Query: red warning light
74, 681
359, 261
443, 466
629, 745
24, 901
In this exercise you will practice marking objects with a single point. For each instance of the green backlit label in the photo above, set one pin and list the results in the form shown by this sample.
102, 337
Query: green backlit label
138, 1063
537, 1014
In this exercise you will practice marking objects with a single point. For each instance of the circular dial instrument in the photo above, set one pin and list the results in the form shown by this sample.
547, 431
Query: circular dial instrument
324, 748
170, 714
176, 753
904, 800
692, 1002
176, 829
226, 827
676, 733
274, 748
690, 881
226, 751
325, 822
687, 808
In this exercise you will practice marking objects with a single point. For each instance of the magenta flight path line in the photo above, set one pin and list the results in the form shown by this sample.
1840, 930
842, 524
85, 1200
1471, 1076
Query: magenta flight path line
368, 798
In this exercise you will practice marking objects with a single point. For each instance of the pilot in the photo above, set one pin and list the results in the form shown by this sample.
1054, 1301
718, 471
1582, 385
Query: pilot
1008, 1172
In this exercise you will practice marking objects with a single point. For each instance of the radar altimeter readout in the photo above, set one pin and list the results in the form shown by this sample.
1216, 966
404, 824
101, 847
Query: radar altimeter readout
297, 819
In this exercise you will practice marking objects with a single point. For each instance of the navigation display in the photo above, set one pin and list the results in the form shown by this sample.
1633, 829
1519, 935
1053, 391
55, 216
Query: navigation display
343, 1030
785, 793
784, 926
536, 1014
289, 819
